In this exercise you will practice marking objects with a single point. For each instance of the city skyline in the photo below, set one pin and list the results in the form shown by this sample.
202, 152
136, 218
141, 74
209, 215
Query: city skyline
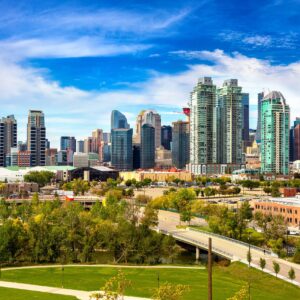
69, 59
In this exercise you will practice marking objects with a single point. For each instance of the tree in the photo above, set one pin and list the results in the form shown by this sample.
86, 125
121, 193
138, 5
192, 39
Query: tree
169, 291
242, 294
114, 288
262, 263
249, 257
276, 267
267, 190
292, 274
40, 177
275, 192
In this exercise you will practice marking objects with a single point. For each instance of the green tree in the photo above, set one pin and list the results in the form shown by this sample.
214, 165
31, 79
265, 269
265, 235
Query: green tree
262, 263
40, 177
242, 294
249, 257
276, 267
169, 291
292, 274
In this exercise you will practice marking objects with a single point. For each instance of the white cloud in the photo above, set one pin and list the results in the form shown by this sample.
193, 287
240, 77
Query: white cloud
71, 111
287, 41
60, 48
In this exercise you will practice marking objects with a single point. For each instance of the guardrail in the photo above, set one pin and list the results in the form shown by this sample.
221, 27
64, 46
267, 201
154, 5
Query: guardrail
197, 243
232, 240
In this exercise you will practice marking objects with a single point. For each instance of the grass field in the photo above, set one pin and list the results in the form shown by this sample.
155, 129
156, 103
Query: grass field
12, 294
226, 280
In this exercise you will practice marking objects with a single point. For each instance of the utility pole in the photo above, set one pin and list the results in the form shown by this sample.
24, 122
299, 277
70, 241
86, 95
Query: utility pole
209, 269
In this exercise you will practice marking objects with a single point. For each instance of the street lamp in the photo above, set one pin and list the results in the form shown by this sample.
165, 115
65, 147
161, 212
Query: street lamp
62, 276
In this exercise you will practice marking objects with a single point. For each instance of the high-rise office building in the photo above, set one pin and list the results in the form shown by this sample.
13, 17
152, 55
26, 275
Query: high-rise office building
245, 129
121, 149
295, 141
8, 137
80, 146
230, 123
181, 144
121, 142
166, 137
118, 120
36, 137
136, 152
68, 142
148, 117
147, 146
97, 143
275, 123
203, 123
260, 97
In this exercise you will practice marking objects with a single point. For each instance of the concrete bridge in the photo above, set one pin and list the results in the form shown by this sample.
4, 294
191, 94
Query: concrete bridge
222, 246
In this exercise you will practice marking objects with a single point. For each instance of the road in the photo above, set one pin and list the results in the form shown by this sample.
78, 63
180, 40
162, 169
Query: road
225, 247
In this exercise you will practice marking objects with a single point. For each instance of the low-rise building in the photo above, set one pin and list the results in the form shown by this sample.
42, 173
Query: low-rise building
288, 208
158, 176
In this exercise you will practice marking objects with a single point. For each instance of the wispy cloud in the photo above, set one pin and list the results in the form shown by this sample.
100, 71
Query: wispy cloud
62, 48
286, 40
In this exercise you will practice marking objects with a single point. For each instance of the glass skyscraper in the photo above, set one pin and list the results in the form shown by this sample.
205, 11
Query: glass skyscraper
181, 144
275, 123
118, 120
147, 146
121, 142
166, 136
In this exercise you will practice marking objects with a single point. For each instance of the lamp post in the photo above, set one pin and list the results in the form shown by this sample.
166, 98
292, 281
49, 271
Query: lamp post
62, 276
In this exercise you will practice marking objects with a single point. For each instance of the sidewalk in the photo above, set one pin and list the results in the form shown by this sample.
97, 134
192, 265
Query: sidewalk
81, 295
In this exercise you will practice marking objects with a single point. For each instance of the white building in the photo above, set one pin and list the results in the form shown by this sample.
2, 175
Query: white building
80, 160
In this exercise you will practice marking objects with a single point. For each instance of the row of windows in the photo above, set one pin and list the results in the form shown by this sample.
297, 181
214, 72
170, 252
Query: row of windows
276, 209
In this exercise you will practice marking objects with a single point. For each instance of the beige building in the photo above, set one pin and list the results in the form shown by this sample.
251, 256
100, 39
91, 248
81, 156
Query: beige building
163, 158
158, 176
148, 117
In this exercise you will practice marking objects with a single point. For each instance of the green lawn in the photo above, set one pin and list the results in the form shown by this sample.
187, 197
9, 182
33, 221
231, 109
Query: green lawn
226, 280
12, 294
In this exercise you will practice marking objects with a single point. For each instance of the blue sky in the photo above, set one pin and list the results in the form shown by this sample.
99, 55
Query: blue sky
78, 60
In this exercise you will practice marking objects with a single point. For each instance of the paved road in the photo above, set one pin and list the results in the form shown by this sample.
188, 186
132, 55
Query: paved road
81, 295
231, 249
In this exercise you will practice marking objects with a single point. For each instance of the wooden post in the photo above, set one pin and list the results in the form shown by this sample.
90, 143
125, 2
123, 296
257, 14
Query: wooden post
209, 269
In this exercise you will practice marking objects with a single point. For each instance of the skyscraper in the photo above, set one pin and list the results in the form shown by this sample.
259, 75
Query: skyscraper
147, 146
148, 117
68, 142
230, 123
275, 123
97, 140
245, 129
166, 136
118, 120
295, 141
8, 137
121, 149
80, 146
121, 142
36, 137
181, 144
203, 130
260, 97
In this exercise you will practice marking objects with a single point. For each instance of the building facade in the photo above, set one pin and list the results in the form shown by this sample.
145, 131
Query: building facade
118, 120
295, 141
121, 149
36, 137
230, 120
147, 146
245, 128
68, 142
181, 144
260, 97
166, 137
275, 123
203, 122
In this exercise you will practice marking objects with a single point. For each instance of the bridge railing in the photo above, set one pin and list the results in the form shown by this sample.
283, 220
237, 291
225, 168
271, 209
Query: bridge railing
197, 243
232, 240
